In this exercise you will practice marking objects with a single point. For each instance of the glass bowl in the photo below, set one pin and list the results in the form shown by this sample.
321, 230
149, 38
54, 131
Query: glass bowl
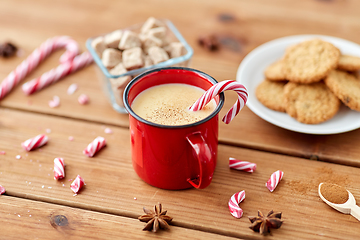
114, 96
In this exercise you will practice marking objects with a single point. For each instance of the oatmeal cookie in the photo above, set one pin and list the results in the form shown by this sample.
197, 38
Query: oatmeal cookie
310, 61
346, 87
274, 71
349, 63
310, 103
271, 94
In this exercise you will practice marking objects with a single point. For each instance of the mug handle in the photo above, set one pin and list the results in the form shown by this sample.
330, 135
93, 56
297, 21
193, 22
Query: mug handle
206, 161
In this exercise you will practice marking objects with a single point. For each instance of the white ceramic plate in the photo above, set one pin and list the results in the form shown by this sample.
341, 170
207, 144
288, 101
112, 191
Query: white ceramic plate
251, 72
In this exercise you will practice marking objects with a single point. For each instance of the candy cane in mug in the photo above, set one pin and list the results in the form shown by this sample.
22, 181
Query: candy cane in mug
234, 201
221, 87
36, 57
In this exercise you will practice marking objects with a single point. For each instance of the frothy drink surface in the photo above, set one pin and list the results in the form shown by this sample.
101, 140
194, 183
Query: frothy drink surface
168, 104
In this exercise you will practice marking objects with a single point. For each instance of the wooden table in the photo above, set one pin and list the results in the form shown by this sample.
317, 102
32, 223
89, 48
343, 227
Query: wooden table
107, 208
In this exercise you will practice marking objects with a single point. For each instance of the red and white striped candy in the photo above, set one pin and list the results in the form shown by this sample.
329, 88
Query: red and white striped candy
57, 73
274, 180
94, 146
55, 102
36, 57
2, 190
242, 165
83, 99
234, 201
77, 184
35, 142
221, 87
59, 170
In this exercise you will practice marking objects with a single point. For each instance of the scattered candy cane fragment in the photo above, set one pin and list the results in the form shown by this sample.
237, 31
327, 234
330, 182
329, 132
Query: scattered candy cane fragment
55, 102
35, 142
2, 152
36, 57
217, 89
77, 184
94, 146
83, 99
2, 190
242, 165
59, 171
234, 201
48, 130
57, 73
274, 180
72, 88
108, 130
71, 138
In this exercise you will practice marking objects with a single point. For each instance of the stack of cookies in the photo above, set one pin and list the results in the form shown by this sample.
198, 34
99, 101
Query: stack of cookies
310, 82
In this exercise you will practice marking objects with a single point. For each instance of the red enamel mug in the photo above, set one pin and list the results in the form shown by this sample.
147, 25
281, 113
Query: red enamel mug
173, 157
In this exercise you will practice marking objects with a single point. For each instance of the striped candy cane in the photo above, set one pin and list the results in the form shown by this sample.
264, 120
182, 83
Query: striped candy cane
221, 87
35, 142
234, 201
94, 146
59, 171
77, 184
57, 73
242, 165
274, 180
36, 57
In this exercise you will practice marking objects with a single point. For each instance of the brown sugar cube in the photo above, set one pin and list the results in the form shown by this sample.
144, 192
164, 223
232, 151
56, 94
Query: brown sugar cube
112, 39
150, 41
129, 40
118, 69
157, 54
111, 57
150, 23
176, 49
133, 58
118, 86
159, 32
98, 45
147, 61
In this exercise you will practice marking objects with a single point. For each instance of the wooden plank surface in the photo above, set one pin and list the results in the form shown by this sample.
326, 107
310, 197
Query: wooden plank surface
255, 22
112, 185
114, 195
27, 219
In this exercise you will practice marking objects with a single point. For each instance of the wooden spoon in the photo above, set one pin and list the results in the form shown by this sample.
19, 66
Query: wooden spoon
349, 207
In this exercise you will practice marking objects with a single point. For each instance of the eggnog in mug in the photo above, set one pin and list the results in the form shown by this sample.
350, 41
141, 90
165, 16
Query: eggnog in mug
168, 104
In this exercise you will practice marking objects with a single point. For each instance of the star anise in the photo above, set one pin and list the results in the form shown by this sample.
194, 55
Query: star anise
7, 50
156, 219
262, 224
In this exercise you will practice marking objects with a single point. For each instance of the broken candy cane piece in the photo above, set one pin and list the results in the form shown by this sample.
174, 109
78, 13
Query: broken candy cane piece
274, 180
2, 190
59, 171
242, 165
234, 201
35, 142
94, 146
83, 99
55, 102
72, 88
77, 184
